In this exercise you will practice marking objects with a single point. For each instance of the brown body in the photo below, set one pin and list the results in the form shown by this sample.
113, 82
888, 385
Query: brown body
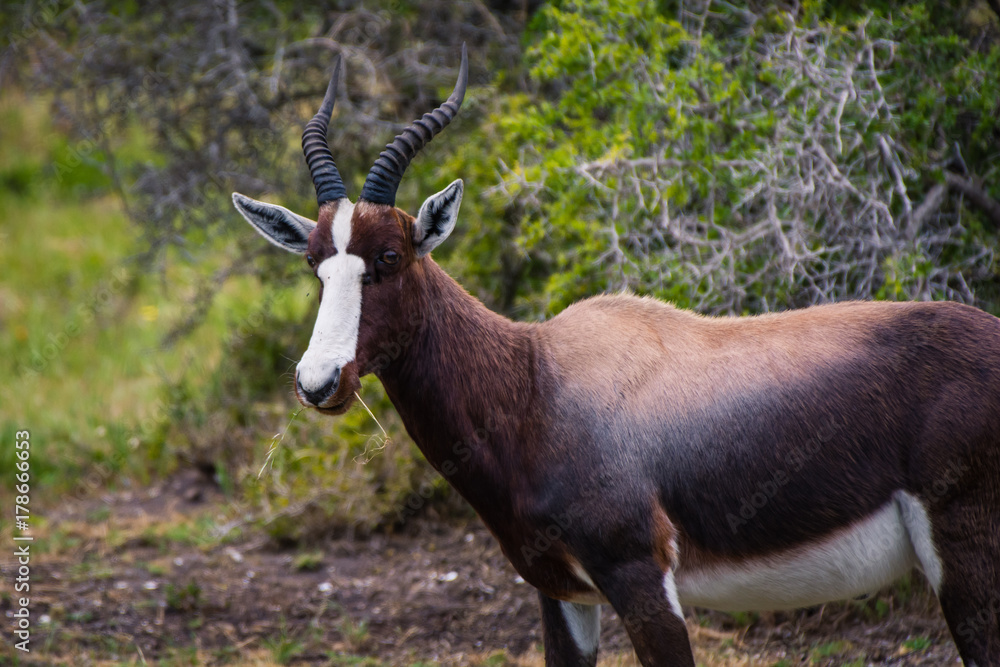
631, 453
628, 418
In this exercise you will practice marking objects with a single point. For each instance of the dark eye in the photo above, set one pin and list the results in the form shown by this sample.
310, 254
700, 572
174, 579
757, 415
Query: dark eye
312, 262
389, 257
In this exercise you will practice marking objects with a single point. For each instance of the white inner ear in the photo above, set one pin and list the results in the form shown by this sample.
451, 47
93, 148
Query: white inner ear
334, 341
437, 218
277, 224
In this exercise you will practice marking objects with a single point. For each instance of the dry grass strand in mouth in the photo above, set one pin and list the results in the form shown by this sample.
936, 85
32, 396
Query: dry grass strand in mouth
275, 441
371, 452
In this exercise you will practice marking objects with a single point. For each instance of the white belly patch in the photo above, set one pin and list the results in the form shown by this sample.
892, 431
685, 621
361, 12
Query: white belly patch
859, 559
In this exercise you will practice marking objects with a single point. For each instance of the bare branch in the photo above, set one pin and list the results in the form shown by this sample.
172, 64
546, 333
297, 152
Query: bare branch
978, 196
928, 207
809, 213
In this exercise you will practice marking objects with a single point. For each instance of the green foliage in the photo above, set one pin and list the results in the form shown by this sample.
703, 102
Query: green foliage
309, 561
284, 648
943, 86
743, 619
638, 123
917, 643
184, 598
354, 633
829, 649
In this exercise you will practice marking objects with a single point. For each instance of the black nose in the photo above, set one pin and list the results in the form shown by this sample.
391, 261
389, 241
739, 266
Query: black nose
326, 391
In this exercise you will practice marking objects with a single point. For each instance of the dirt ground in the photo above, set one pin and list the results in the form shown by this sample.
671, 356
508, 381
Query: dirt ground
111, 585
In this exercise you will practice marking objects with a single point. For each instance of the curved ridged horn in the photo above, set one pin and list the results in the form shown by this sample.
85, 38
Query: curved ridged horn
384, 176
326, 178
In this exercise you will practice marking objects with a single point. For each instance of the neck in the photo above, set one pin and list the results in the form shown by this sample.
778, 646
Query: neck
465, 383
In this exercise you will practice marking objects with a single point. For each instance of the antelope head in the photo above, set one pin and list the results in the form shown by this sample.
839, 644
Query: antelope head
365, 255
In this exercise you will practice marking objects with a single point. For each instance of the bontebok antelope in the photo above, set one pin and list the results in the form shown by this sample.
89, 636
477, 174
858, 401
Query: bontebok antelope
630, 453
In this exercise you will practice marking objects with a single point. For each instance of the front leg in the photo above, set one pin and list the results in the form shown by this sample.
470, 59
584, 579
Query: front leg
646, 600
571, 632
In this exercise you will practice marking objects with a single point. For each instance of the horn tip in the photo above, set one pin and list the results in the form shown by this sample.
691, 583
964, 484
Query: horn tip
331, 89
458, 95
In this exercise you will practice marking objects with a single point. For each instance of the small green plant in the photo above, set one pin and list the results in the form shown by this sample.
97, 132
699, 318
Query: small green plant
354, 633
81, 616
181, 656
829, 650
155, 569
99, 514
284, 648
183, 598
744, 618
309, 561
340, 660
90, 569
498, 659
917, 643
199, 532
225, 655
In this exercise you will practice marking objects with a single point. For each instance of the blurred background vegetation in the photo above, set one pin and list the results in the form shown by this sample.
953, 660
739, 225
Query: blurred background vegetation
730, 157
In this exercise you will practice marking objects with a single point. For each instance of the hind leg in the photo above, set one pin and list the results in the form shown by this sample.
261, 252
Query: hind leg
571, 632
645, 598
962, 563
970, 597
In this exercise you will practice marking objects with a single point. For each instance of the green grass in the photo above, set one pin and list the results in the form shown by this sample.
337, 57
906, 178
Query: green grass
74, 344
829, 650
309, 561
354, 633
284, 648
82, 323
917, 643
183, 598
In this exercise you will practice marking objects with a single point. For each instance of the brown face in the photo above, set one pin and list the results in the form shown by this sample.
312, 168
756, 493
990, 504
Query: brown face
368, 260
361, 256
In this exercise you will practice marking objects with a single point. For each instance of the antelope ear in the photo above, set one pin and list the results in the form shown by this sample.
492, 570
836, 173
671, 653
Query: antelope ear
437, 218
276, 223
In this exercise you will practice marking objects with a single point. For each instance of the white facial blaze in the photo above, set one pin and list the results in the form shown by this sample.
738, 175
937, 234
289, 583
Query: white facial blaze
334, 339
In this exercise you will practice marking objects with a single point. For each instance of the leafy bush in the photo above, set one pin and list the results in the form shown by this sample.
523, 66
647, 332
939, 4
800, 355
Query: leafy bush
776, 161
